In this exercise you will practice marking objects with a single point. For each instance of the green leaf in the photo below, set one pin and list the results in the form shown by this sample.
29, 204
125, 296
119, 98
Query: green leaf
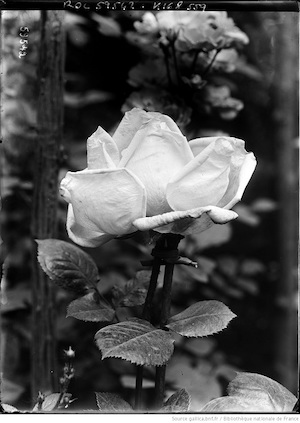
137, 341
253, 392
9, 408
178, 402
67, 265
134, 291
111, 402
201, 319
89, 310
49, 403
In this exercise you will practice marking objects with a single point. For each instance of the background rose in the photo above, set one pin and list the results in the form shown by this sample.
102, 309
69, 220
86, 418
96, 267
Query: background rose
217, 100
149, 177
197, 30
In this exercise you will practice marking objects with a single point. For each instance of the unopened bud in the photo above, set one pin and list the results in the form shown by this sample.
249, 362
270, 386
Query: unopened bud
69, 353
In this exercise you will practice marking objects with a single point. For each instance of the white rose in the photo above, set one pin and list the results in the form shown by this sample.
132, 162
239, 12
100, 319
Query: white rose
199, 30
147, 176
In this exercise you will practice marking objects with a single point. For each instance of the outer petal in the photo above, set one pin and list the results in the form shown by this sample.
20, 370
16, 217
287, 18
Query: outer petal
199, 144
155, 155
83, 236
238, 180
173, 19
186, 222
106, 201
102, 151
205, 179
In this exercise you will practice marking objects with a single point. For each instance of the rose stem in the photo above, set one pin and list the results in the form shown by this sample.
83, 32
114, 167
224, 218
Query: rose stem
177, 70
194, 61
166, 57
205, 72
172, 243
146, 315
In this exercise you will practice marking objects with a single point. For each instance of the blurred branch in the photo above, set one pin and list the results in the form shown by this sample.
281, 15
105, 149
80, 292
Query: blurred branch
50, 124
286, 132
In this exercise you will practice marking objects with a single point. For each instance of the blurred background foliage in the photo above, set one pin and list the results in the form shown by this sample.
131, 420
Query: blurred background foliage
109, 68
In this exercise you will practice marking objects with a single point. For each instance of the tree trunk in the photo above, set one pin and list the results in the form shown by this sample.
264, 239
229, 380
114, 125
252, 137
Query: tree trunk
286, 137
19, 88
50, 126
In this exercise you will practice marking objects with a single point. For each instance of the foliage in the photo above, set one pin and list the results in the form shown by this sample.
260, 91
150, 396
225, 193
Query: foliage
111, 403
67, 265
253, 392
178, 402
134, 339
201, 319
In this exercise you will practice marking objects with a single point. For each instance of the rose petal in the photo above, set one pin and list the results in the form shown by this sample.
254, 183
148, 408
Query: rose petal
199, 144
155, 155
237, 36
105, 201
186, 222
102, 151
129, 125
83, 236
204, 180
165, 118
239, 177
133, 121
174, 19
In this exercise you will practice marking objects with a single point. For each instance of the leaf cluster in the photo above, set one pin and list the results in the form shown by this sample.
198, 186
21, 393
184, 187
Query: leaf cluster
135, 340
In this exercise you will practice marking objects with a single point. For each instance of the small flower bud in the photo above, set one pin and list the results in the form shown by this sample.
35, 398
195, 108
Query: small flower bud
69, 353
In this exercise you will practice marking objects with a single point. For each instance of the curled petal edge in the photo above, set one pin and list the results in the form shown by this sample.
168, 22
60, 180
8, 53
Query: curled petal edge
216, 214
83, 236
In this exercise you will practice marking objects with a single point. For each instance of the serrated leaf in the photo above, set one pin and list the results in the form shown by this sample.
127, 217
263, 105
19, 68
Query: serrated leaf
137, 341
111, 402
201, 319
67, 265
89, 310
253, 393
178, 402
132, 293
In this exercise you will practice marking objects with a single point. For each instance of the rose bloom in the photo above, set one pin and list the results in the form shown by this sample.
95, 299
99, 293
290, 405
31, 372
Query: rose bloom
197, 30
148, 25
217, 99
148, 176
